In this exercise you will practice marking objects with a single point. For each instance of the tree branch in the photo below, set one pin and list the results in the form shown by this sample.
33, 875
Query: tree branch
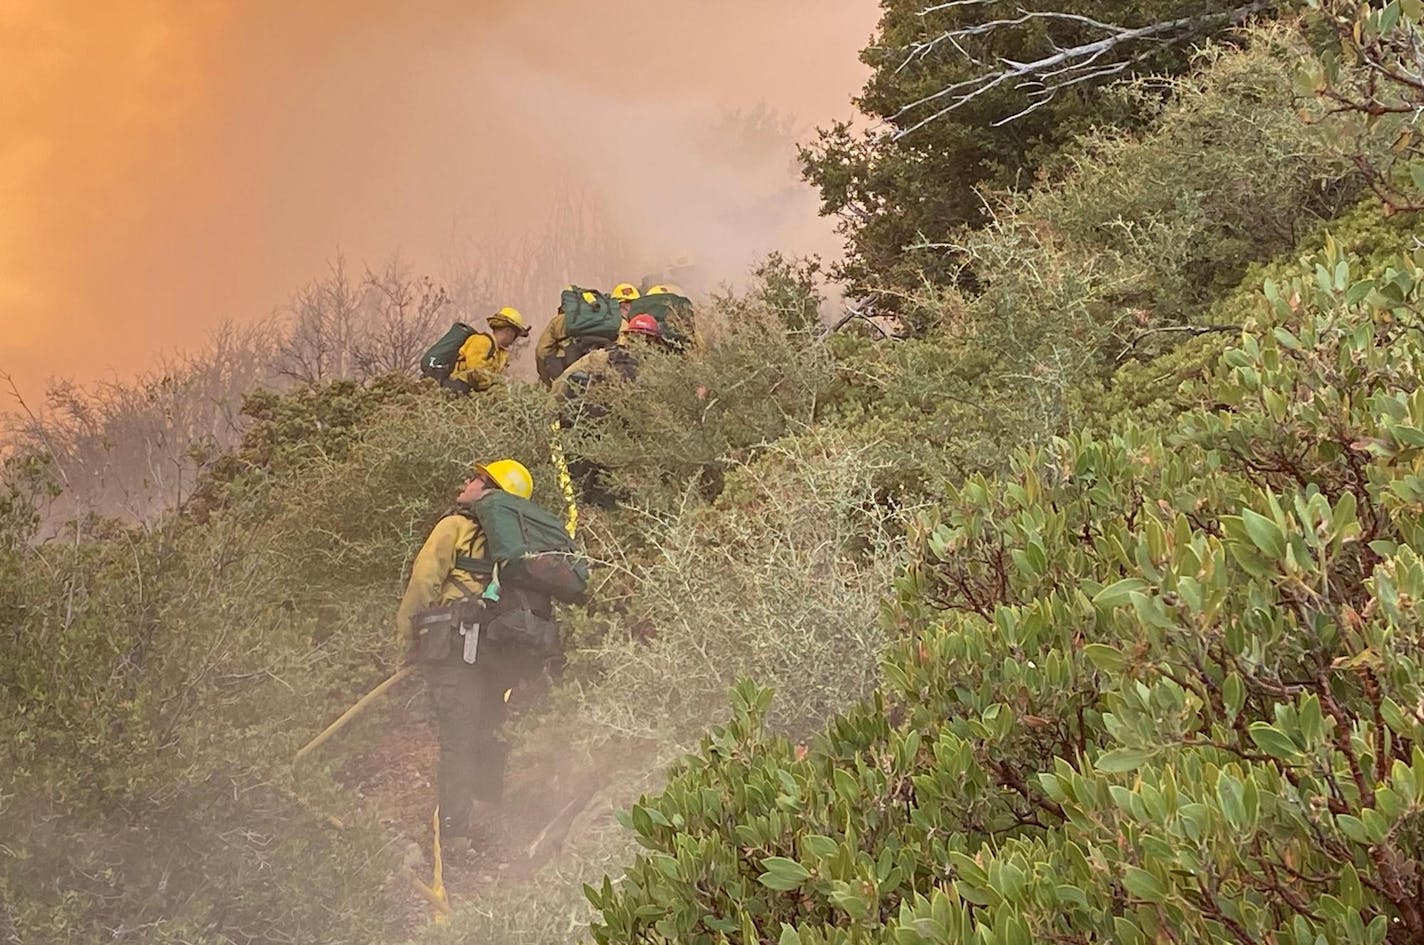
1193, 330
1064, 67
851, 314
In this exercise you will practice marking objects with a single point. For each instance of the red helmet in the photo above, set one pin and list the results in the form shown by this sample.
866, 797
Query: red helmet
644, 324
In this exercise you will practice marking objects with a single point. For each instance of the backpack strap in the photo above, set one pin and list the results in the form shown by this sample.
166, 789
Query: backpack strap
479, 567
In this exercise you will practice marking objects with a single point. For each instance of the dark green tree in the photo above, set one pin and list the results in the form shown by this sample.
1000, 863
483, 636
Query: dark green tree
980, 95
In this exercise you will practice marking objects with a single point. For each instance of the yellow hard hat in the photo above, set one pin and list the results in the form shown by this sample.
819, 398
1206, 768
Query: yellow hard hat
511, 317
510, 475
625, 292
664, 290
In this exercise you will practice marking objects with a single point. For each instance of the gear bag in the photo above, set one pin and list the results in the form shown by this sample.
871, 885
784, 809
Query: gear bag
673, 313
438, 628
587, 312
582, 345
439, 360
522, 619
531, 547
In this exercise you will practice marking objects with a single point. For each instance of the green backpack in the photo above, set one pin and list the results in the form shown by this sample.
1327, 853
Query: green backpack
531, 547
599, 318
439, 360
673, 312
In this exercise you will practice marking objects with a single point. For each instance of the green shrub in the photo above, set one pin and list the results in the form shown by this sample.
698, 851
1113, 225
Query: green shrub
153, 689
656, 437
1153, 390
1135, 249
1153, 684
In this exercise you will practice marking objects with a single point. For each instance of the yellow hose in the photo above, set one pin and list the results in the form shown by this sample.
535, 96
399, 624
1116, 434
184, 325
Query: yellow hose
566, 481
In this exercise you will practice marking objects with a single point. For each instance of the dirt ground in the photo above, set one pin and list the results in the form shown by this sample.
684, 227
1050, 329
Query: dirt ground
544, 795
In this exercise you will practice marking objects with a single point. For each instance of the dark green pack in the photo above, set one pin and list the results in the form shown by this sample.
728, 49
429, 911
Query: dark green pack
673, 312
440, 359
599, 318
532, 548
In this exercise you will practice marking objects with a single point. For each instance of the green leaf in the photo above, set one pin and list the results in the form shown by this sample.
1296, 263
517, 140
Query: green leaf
1232, 799
1104, 657
1409, 436
1143, 884
1264, 533
1118, 593
1273, 741
1389, 17
783, 874
846, 785
1123, 759
664, 864
1233, 694
1353, 827
816, 845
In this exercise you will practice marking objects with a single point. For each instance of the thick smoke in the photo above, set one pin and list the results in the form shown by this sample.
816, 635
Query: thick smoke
166, 165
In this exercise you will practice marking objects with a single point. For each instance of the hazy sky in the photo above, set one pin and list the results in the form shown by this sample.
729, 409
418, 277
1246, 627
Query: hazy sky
169, 164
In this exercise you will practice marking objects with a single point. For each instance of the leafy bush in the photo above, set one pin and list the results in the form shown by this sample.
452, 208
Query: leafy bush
656, 437
896, 195
789, 290
1158, 684
153, 688
1155, 390
1136, 249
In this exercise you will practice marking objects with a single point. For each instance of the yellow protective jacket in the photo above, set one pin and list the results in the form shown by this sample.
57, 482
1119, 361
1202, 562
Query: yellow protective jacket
594, 364
434, 578
481, 362
554, 340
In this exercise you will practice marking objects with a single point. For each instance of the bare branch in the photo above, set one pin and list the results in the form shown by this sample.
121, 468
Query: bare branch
1061, 69
952, 4
852, 313
1192, 330
35, 424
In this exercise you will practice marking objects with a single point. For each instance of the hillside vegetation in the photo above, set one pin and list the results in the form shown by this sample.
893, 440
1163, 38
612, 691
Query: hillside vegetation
1085, 612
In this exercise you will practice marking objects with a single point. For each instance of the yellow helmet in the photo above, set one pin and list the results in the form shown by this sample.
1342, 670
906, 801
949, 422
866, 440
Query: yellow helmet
625, 292
511, 317
664, 290
510, 475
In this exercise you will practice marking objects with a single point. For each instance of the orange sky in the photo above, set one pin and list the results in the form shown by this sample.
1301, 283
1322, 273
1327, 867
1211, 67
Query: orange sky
169, 164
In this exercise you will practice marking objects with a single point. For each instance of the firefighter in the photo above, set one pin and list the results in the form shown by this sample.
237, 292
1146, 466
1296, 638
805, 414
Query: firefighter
442, 603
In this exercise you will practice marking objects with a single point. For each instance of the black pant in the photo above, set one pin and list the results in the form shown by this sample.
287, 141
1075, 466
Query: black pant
470, 710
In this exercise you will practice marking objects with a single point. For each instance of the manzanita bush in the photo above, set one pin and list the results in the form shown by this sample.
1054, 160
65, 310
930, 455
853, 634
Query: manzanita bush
1164, 685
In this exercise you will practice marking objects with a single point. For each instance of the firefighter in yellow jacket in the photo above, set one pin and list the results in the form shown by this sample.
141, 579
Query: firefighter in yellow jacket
441, 603
485, 356
556, 348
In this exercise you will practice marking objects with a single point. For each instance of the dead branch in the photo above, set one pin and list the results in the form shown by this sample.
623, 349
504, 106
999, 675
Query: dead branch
851, 314
36, 426
1045, 77
1192, 330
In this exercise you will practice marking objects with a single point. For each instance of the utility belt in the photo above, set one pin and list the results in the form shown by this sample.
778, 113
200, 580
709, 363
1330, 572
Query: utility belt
459, 629
447, 629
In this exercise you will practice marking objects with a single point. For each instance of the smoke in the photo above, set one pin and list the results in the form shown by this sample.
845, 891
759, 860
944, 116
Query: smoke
167, 165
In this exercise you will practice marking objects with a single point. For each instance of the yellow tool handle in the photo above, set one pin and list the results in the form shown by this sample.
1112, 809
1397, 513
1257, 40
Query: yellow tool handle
350, 713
